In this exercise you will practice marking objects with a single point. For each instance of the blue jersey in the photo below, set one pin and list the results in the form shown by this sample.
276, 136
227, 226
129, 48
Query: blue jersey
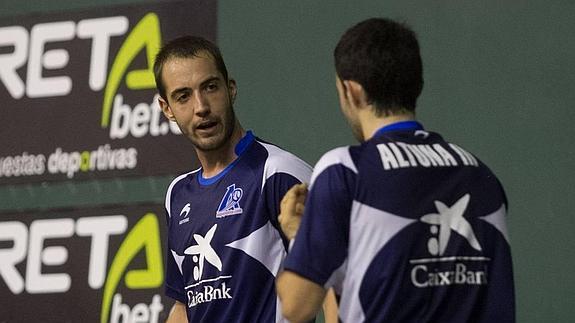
224, 241
407, 228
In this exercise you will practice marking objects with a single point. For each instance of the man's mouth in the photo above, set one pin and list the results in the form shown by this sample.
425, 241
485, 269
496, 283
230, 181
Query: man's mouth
207, 125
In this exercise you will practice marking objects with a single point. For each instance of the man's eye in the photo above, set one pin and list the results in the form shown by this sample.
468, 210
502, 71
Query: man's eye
211, 87
182, 98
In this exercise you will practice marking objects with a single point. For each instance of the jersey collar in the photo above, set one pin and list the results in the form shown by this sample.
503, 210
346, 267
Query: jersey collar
244, 143
399, 126
240, 149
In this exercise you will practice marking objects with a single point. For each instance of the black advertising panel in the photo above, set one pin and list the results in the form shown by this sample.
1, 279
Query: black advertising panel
86, 265
77, 92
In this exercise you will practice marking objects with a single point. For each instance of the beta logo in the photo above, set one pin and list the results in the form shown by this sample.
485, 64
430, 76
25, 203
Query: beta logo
144, 118
145, 237
35, 49
30, 245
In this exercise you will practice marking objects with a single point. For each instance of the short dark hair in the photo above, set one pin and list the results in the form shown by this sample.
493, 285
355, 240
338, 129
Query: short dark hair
383, 56
186, 47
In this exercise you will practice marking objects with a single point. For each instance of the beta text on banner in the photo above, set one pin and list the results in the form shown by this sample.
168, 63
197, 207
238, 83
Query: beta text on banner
78, 97
85, 265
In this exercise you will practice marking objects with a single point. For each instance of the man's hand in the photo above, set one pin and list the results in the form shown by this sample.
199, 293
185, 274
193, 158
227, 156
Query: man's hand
291, 210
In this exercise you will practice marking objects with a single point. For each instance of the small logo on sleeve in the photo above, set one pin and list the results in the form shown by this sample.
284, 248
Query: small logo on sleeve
184, 214
230, 204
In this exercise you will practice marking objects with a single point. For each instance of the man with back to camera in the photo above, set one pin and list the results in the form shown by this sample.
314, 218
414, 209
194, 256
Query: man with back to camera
224, 241
406, 227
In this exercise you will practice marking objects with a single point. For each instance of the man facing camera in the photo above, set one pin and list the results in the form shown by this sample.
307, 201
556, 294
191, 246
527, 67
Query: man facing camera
225, 246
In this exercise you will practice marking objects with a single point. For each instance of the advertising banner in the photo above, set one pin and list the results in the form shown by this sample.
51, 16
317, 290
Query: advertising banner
78, 97
87, 265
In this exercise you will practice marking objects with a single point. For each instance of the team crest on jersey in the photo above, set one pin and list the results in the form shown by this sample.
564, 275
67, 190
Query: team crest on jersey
230, 204
184, 214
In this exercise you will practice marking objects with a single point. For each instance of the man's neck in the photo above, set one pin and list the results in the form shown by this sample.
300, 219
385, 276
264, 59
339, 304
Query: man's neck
214, 161
370, 123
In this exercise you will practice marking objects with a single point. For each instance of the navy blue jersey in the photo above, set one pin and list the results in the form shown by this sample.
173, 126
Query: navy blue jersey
224, 241
407, 228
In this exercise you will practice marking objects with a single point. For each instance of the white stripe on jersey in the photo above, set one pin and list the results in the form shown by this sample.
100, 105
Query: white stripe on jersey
179, 260
366, 239
281, 161
333, 157
169, 190
265, 245
497, 219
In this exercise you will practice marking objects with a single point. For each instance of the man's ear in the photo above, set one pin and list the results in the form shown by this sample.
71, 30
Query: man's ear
166, 109
233, 88
355, 93
341, 90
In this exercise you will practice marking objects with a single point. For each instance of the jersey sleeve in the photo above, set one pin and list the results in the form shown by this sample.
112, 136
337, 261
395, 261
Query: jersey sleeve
320, 248
282, 171
174, 283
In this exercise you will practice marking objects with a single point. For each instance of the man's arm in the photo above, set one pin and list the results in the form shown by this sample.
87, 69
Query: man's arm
301, 298
330, 311
177, 314
292, 208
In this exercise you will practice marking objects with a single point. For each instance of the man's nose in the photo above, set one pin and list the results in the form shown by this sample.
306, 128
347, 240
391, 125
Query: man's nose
202, 106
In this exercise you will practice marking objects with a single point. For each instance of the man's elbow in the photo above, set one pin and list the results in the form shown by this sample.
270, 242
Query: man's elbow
300, 299
296, 309
291, 306
296, 314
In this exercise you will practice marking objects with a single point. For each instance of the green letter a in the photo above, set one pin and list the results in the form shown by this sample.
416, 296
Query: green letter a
145, 235
146, 34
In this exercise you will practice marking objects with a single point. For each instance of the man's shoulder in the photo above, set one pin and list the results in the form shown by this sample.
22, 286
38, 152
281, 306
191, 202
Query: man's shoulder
340, 155
337, 157
173, 186
180, 179
279, 160
277, 154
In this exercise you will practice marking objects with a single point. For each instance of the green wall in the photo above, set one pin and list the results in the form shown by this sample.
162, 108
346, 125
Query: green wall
499, 81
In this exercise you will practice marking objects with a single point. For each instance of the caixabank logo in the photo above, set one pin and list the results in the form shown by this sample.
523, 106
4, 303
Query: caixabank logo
79, 96
101, 265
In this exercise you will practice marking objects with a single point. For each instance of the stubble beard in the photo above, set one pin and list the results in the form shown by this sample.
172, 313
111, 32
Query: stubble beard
221, 139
